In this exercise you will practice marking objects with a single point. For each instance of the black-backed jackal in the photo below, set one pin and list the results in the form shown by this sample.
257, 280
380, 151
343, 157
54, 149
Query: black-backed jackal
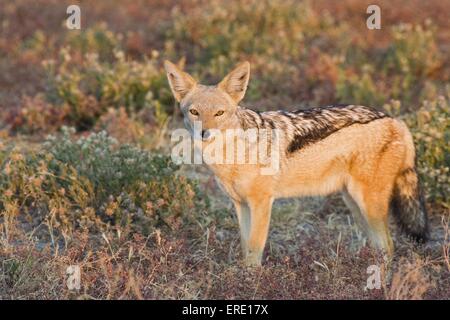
362, 152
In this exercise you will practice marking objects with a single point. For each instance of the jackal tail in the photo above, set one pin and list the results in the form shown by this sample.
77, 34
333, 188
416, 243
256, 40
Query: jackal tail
408, 205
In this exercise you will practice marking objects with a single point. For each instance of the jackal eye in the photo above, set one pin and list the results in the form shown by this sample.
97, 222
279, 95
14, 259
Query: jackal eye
194, 112
219, 113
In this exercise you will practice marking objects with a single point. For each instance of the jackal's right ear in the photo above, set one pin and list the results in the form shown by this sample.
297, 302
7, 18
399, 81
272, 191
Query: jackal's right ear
180, 82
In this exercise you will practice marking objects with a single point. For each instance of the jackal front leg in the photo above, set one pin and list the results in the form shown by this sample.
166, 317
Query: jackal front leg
260, 211
243, 215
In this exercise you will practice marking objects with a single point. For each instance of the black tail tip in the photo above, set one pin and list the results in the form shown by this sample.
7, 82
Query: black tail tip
419, 238
420, 234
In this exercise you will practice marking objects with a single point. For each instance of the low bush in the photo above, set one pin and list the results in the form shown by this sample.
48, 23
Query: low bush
431, 130
93, 182
90, 89
37, 116
430, 127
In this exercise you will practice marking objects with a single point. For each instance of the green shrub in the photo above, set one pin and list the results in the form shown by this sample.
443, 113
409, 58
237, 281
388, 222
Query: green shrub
94, 86
359, 89
430, 126
110, 166
411, 62
275, 35
413, 51
93, 182
406, 70
97, 39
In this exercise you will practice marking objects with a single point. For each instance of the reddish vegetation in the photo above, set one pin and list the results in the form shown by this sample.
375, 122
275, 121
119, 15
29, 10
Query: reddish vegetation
164, 266
185, 244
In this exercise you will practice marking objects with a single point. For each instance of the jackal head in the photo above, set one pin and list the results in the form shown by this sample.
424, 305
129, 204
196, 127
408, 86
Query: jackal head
214, 106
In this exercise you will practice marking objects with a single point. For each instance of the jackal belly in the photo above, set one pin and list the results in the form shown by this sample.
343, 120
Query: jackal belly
311, 185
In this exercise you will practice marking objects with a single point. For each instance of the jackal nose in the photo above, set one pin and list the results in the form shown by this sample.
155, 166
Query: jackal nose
205, 134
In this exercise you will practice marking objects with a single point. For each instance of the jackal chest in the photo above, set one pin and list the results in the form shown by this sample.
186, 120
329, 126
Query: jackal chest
242, 181
225, 179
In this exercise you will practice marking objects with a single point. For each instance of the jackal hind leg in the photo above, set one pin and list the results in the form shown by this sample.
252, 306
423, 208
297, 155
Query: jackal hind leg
374, 206
358, 217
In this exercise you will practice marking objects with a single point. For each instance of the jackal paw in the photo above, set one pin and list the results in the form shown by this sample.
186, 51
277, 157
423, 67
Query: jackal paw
253, 259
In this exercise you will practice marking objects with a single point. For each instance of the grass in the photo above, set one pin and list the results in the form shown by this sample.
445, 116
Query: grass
105, 196
319, 264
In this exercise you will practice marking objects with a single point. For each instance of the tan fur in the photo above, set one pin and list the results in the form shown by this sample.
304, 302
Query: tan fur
363, 161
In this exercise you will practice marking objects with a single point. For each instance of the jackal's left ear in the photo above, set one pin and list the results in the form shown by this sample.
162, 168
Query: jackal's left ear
180, 82
235, 83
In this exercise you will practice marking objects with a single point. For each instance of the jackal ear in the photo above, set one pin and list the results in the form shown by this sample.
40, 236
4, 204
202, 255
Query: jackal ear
180, 82
235, 83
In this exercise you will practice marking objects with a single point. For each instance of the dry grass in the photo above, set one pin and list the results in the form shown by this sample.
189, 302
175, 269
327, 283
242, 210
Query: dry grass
109, 77
307, 257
